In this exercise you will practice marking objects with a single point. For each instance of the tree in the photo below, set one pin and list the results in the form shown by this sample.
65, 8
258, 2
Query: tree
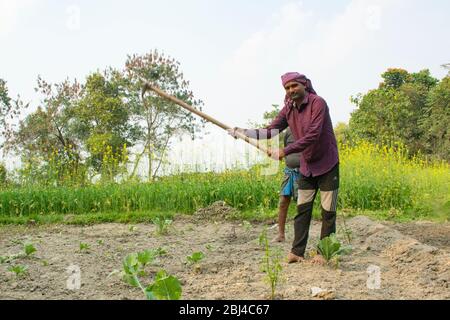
10, 110
44, 138
342, 132
101, 122
436, 124
394, 78
393, 112
157, 119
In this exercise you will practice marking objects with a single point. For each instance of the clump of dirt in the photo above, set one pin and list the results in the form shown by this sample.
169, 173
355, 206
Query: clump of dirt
218, 210
431, 233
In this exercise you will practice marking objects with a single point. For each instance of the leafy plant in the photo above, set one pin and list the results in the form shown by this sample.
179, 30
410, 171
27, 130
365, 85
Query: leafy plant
29, 249
194, 260
19, 270
148, 256
131, 270
195, 257
165, 287
84, 247
331, 248
162, 224
271, 264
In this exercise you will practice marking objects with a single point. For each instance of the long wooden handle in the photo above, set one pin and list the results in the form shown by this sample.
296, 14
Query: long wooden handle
149, 86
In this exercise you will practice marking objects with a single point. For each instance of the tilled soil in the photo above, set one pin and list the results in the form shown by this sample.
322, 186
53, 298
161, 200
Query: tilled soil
411, 265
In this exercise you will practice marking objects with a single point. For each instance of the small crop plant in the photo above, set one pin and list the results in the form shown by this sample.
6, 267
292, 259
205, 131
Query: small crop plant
331, 248
29, 249
164, 286
194, 260
19, 270
162, 224
195, 257
271, 264
84, 247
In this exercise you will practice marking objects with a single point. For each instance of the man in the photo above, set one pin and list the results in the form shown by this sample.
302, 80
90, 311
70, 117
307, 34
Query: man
289, 186
308, 117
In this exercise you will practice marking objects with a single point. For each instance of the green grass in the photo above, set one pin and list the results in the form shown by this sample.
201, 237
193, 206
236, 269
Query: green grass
378, 181
84, 219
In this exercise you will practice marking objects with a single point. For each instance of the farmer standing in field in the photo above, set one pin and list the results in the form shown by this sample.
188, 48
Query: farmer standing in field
307, 115
289, 185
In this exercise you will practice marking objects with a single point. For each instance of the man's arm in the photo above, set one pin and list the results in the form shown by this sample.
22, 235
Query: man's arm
276, 126
319, 108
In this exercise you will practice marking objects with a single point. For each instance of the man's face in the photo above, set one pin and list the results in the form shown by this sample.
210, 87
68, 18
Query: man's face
295, 90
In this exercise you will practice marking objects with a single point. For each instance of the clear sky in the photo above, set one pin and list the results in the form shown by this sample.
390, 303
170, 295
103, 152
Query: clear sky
233, 52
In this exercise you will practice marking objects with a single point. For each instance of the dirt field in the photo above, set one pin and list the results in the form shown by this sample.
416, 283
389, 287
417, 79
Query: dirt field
231, 269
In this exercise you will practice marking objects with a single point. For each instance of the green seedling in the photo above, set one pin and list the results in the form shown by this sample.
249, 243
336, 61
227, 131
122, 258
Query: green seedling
146, 257
29, 249
100, 242
132, 228
84, 247
162, 225
165, 287
135, 263
331, 248
271, 264
195, 258
19, 270
131, 270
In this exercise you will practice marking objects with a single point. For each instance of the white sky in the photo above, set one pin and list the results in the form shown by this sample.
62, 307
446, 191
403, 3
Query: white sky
233, 52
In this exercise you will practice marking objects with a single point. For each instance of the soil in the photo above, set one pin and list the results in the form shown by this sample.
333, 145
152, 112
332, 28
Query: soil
413, 259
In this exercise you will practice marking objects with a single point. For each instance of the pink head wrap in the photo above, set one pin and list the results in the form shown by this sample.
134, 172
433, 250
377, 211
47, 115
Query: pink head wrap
297, 77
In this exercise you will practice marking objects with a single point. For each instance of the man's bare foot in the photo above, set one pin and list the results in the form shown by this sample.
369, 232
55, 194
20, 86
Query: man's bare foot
279, 238
319, 260
292, 258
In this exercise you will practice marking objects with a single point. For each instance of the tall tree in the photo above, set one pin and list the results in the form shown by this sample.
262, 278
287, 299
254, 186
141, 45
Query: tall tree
101, 121
436, 124
158, 120
44, 136
394, 111
10, 110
